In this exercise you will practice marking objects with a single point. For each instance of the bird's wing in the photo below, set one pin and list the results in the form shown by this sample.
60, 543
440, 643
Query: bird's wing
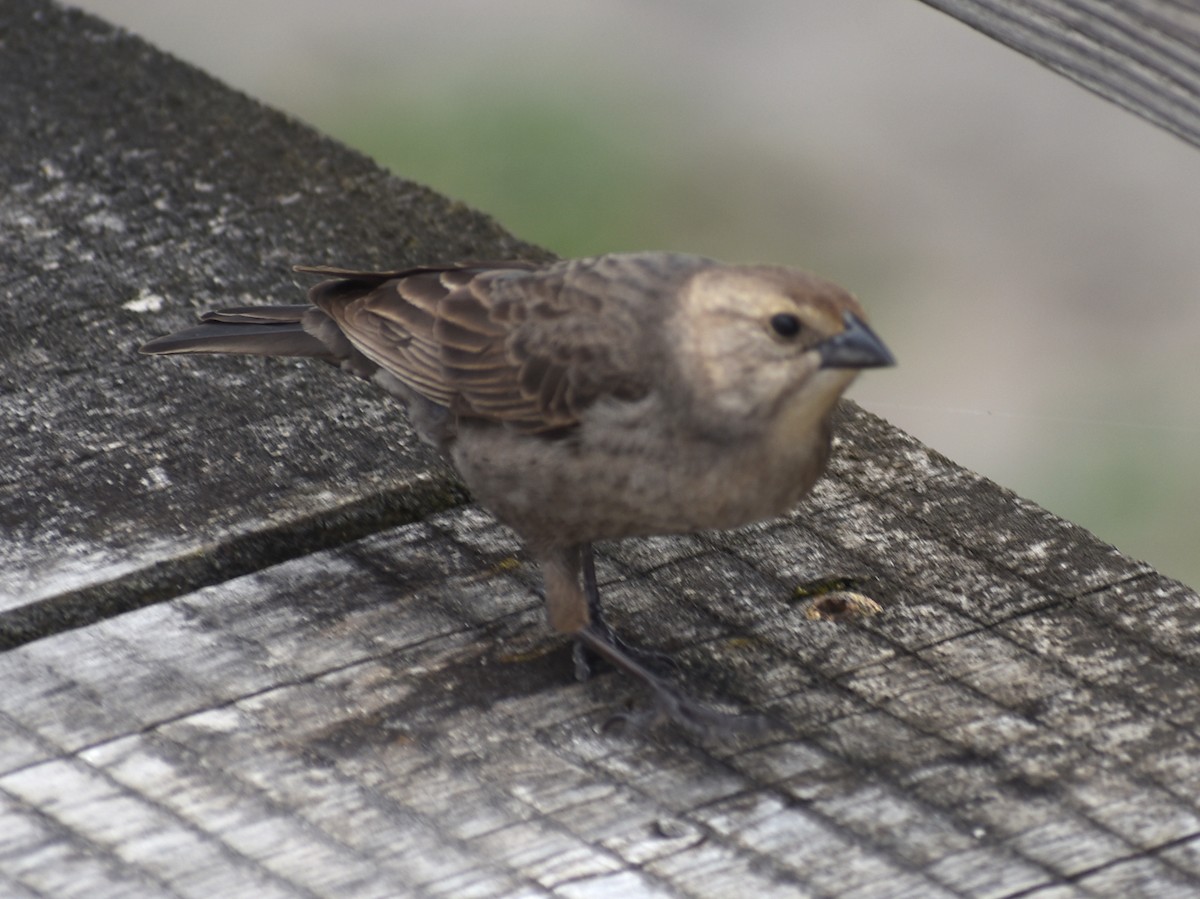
527, 346
390, 318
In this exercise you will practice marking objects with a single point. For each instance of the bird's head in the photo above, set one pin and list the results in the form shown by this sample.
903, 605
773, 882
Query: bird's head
770, 344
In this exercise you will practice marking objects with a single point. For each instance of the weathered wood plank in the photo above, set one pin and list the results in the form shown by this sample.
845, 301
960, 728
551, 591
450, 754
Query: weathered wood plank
1141, 54
137, 191
387, 715
391, 712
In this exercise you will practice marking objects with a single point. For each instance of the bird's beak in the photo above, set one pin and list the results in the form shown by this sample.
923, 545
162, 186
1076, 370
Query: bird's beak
855, 347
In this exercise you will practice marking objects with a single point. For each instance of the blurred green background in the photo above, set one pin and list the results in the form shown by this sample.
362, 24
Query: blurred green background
1030, 252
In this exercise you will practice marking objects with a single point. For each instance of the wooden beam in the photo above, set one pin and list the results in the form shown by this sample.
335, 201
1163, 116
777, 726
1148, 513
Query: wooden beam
259, 645
1142, 54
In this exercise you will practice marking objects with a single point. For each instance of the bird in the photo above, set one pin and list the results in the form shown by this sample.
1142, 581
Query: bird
600, 398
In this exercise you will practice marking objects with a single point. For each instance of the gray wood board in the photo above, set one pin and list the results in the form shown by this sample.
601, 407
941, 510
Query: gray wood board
1141, 54
131, 181
365, 701
390, 718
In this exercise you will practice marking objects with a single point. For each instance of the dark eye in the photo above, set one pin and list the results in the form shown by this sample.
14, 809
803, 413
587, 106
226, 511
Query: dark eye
785, 324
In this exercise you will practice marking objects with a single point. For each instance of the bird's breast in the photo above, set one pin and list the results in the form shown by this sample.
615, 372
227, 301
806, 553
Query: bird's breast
634, 476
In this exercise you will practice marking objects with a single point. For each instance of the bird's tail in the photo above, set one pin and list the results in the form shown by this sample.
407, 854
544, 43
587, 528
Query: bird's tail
245, 330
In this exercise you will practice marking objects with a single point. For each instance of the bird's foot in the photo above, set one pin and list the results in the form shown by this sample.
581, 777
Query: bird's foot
669, 704
585, 657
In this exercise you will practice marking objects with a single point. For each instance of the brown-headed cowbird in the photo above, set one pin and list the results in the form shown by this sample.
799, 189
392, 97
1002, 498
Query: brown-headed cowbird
591, 399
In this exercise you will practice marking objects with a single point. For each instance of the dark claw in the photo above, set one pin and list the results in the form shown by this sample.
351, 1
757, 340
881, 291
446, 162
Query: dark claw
585, 658
599, 641
668, 703
657, 662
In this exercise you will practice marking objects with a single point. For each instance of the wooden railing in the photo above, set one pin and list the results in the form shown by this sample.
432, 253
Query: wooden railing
257, 642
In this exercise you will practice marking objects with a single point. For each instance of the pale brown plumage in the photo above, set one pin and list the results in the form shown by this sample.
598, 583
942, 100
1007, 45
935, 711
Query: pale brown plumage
590, 399
531, 352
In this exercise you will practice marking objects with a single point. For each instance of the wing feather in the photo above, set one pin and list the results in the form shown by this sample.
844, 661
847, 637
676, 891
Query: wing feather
523, 345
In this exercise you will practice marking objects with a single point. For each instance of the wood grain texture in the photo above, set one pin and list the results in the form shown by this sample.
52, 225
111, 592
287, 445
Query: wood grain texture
138, 192
1141, 54
281, 657
390, 718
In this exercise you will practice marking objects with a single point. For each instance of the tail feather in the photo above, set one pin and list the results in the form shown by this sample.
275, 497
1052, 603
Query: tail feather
284, 315
247, 330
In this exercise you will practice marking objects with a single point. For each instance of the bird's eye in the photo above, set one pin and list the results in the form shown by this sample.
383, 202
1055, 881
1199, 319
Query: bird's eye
785, 324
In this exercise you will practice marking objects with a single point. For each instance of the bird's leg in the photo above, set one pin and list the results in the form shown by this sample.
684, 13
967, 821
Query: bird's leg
598, 639
591, 592
576, 611
590, 588
655, 661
